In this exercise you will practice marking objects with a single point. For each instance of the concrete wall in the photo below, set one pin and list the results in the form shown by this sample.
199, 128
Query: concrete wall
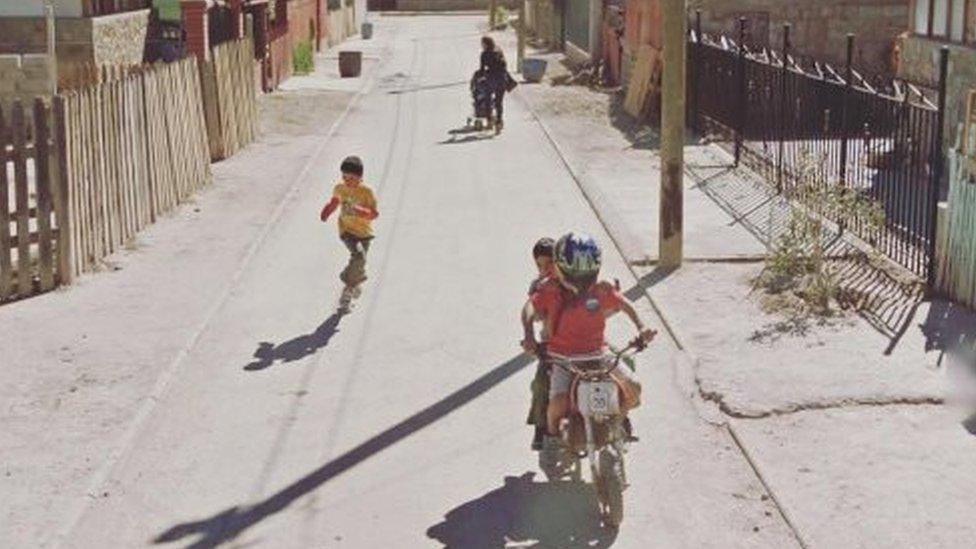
451, 5
120, 38
23, 77
35, 8
115, 39
545, 21
819, 27
919, 63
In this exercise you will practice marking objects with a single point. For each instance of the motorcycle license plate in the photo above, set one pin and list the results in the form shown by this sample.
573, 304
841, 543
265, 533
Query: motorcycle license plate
602, 398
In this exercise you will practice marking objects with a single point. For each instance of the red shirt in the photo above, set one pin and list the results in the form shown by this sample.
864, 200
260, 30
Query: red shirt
576, 324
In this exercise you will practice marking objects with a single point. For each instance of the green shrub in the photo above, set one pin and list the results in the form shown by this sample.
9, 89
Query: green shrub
798, 262
501, 17
302, 60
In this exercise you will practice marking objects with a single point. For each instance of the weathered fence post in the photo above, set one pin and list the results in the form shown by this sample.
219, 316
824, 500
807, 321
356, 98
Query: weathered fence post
42, 185
6, 263
781, 160
59, 183
741, 91
939, 162
848, 76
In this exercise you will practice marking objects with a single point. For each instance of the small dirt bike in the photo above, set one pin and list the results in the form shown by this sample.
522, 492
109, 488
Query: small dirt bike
594, 429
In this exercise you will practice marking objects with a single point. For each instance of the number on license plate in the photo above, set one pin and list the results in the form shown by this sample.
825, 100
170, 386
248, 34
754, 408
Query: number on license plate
599, 400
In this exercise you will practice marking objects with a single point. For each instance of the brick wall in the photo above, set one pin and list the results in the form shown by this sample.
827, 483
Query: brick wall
303, 22
819, 28
24, 77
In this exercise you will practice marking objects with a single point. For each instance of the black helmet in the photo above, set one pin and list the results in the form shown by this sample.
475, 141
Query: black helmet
545, 247
353, 165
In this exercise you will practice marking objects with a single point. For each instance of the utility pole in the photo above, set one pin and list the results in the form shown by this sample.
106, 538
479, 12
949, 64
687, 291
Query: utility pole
492, 10
521, 36
670, 243
52, 59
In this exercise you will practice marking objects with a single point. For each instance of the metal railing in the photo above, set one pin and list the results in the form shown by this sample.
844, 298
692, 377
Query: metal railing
790, 120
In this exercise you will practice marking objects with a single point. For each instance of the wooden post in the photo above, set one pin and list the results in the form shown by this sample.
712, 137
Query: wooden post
43, 183
670, 244
6, 263
521, 36
52, 59
492, 9
21, 199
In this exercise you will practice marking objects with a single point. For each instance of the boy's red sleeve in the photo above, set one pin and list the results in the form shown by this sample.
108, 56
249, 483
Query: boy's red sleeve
542, 301
329, 208
613, 300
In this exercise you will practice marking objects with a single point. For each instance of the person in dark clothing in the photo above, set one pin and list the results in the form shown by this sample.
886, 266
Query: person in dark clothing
493, 64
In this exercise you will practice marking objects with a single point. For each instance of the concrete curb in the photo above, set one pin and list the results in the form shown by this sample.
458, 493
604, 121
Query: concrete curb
686, 363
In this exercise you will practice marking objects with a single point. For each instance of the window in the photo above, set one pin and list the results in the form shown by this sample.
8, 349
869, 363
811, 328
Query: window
942, 19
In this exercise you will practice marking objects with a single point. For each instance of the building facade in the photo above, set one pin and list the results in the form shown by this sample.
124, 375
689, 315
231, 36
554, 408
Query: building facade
932, 25
818, 28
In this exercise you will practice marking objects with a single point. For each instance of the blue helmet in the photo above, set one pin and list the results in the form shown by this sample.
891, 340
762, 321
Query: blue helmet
578, 258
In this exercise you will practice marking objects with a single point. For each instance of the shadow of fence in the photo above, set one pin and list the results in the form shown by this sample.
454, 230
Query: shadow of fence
883, 294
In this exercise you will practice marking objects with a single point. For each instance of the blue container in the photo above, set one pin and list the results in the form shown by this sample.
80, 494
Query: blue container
533, 69
367, 31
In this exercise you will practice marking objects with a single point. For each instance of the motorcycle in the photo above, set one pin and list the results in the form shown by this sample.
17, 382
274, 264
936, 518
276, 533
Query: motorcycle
594, 429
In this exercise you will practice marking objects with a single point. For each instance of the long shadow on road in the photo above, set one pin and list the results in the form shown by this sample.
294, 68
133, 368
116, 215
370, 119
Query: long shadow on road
560, 515
230, 523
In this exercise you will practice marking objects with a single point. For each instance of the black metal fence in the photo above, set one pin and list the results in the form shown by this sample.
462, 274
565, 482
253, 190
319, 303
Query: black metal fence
791, 122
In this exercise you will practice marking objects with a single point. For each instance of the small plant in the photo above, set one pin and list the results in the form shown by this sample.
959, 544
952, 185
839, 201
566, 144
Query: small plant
798, 263
501, 18
302, 60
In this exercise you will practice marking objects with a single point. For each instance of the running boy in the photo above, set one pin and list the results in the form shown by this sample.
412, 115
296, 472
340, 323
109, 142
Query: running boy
357, 210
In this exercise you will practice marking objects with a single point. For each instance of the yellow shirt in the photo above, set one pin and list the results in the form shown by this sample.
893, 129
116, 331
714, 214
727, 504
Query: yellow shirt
350, 221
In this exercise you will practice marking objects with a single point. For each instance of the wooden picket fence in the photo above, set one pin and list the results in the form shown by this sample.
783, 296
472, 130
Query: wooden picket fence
33, 228
135, 147
230, 97
957, 273
82, 173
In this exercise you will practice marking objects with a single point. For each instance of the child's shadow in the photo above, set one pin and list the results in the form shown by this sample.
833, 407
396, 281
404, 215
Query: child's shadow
297, 348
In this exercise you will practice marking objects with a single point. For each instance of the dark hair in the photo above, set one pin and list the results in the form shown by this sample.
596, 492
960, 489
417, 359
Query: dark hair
353, 165
488, 43
545, 247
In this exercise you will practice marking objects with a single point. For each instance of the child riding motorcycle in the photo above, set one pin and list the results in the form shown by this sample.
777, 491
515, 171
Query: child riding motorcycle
542, 253
573, 306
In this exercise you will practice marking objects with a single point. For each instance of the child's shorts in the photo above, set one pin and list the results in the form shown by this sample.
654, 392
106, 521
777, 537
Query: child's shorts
560, 379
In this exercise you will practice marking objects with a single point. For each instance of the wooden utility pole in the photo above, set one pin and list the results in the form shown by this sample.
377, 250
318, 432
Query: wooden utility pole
52, 58
670, 243
521, 36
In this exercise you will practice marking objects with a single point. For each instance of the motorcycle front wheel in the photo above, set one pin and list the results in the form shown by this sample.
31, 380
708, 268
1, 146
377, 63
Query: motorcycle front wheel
610, 488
